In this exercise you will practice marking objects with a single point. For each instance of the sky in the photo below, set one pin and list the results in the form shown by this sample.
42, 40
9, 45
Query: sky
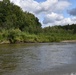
50, 12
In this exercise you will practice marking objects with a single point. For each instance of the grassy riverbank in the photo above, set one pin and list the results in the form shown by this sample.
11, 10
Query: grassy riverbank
17, 36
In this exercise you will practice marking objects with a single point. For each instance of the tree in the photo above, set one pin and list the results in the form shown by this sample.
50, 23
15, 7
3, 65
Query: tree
13, 17
6, 1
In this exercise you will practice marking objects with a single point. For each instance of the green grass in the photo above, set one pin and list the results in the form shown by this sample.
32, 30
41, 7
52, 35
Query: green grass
17, 36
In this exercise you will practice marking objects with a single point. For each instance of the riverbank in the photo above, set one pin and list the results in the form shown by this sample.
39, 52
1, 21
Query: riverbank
18, 36
4, 42
19, 42
69, 41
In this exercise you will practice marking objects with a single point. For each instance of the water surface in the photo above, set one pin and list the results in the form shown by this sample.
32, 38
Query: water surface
38, 59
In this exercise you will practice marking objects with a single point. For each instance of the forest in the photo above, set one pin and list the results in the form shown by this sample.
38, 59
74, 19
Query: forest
17, 26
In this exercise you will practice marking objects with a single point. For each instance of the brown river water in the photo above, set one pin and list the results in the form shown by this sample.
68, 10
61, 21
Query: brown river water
38, 59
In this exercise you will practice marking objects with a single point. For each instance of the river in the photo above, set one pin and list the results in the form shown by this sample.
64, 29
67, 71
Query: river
38, 59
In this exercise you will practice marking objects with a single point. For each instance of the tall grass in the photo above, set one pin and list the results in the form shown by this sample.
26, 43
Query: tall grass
17, 36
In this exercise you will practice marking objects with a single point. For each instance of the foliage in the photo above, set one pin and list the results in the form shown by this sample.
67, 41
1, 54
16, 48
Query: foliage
13, 17
18, 26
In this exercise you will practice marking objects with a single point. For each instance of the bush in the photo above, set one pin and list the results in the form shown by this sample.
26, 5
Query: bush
14, 35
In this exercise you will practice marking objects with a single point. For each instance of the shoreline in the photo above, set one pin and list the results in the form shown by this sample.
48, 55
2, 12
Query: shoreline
64, 41
68, 41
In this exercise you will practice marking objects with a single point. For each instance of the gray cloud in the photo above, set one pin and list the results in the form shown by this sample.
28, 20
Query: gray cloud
72, 12
73, 19
53, 17
47, 20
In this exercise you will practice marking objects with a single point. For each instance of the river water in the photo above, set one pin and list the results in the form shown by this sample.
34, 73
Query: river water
38, 59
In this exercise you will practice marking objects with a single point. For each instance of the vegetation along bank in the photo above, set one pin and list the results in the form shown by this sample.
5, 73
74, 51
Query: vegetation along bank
18, 26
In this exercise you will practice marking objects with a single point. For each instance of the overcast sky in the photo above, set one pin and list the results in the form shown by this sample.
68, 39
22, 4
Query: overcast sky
50, 12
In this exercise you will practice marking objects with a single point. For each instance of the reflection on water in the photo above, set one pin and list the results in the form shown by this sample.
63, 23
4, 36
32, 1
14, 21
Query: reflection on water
30, 59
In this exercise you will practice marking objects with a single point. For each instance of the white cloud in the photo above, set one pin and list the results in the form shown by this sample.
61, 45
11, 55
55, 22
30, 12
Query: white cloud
74, 19
61, 5
45, 7
17, 2
57, 19
47, 11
